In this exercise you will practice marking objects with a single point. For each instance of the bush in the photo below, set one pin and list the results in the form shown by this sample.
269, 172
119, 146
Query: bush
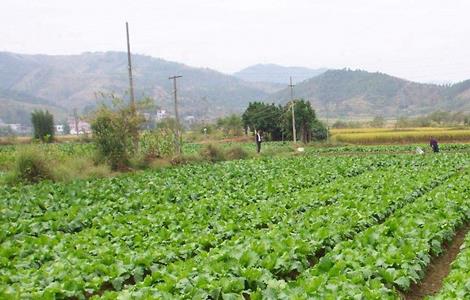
236, 152
212, 153
31, 166
115, 132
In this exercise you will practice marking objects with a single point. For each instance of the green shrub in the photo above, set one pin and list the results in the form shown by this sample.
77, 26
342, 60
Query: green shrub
114, 132
236, 152
212, 153
31, 166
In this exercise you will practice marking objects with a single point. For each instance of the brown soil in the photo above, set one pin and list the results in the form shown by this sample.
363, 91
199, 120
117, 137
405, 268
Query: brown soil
438, 269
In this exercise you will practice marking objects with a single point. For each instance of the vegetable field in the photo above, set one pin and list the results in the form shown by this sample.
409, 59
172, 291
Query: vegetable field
302, 227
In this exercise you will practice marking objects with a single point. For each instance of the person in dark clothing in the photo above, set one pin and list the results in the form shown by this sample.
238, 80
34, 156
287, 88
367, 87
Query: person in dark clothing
434, 145
258, 139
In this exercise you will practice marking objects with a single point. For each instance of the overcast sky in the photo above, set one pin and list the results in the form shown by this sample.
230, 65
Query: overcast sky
426, 40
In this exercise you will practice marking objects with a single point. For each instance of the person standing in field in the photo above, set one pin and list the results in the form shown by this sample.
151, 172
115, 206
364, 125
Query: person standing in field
258, 139
434, 145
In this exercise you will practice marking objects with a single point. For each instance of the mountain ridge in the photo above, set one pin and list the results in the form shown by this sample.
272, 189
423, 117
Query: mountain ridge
74, 80
63, 82
353, 93
277, 74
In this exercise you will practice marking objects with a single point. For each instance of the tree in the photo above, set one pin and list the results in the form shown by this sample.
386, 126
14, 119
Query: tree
307, 126
231, 125
43, 125
264, 117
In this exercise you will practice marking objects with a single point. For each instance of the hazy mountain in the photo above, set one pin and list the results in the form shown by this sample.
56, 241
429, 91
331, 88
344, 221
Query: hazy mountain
277, 74
349, 93
73, 81
16, 107
61, 83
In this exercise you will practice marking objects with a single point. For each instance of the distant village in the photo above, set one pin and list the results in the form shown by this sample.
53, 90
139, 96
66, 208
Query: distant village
80, 126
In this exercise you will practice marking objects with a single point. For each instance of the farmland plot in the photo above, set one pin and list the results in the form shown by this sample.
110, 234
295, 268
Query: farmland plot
255, 228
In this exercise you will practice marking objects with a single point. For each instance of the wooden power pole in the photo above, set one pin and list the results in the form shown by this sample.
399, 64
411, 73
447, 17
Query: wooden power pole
75, 119
294, 135
135, 134
129, 67
177, 133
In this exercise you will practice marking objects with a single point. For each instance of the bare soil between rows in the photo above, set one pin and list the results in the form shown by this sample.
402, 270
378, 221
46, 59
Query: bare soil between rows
438, 269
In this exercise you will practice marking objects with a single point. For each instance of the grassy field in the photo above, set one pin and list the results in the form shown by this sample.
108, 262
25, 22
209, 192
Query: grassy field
374, 136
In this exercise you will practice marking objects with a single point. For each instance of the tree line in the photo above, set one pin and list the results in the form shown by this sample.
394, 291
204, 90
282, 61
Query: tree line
275, 121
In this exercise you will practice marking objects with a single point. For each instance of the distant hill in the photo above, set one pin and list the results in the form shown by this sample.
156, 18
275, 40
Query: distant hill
16, 107
61, 83
73, 81
347, 93
277, 74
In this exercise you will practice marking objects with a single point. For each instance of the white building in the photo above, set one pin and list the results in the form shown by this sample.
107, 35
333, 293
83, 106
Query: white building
59, 128
161, 114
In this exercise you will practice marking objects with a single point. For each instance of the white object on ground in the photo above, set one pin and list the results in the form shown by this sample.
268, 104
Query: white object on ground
300, 149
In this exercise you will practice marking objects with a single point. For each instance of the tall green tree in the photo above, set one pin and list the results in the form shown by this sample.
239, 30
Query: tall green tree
264, 117
307, 126
43, 125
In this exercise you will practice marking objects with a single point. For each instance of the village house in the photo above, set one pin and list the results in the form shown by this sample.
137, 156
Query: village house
81, 127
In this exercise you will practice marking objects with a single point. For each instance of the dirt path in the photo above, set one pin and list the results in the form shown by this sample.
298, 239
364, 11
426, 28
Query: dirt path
438, 269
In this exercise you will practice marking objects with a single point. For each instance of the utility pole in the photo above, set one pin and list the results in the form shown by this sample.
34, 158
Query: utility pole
292, 108
75, 117
327, 120
135, 132
177, 133
129, 67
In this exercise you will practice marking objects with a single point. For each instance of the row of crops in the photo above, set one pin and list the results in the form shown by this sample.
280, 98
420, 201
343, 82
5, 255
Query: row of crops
62, 151
300, 227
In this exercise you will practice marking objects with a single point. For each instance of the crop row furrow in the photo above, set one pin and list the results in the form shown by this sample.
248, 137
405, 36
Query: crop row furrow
387, 258
457, 283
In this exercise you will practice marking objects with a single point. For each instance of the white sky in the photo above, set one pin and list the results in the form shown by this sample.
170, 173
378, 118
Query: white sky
425, 40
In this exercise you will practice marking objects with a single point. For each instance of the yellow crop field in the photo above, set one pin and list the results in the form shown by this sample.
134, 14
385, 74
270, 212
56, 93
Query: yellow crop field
402, 136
